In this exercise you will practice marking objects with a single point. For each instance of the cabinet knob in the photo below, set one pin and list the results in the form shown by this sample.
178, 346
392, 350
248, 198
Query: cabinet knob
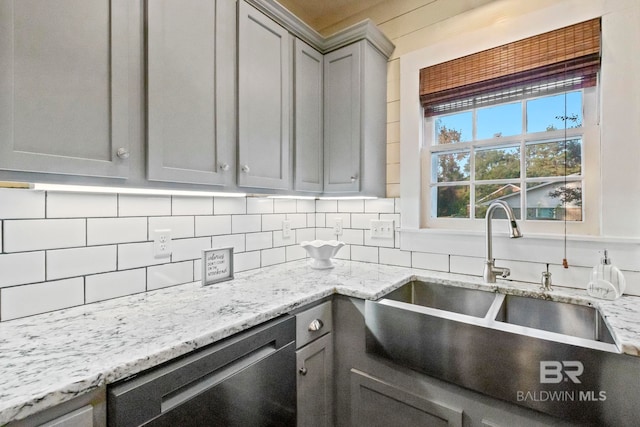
224, 167
354, 178
316, 325
245, 168
303, 371
122, 153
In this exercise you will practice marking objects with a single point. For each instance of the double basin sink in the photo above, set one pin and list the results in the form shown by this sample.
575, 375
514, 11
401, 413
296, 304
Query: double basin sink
555, 357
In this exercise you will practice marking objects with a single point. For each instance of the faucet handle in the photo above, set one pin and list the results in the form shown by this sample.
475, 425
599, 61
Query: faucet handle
505, 273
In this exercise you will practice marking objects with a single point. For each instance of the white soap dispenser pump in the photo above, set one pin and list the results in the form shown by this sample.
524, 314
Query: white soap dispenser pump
607, 281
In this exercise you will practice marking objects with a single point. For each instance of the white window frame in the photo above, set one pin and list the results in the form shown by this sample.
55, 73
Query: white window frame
590, 172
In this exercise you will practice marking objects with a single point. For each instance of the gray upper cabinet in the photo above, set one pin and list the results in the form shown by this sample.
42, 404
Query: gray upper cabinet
191, 91
355, 120
264, 101
308, 118
64, 86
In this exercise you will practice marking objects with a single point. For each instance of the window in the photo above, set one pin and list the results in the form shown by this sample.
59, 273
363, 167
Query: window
519, 152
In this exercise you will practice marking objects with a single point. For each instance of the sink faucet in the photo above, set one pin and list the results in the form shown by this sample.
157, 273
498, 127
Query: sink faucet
490, 269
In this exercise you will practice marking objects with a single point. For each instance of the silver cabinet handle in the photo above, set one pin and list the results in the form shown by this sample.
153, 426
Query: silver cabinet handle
122, 153
245, 168
316, 325
224, 167
303, 371
354, 178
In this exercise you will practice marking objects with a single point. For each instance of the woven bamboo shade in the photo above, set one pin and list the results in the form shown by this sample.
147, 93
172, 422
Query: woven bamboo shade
569, 53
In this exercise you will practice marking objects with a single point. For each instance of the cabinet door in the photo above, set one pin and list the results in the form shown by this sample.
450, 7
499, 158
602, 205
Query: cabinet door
342, 125
64, 86
191, 96
264, 58
315, 383
377, 403
308, 88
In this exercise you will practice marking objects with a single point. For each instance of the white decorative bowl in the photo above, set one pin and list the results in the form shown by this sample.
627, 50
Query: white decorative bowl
321, 252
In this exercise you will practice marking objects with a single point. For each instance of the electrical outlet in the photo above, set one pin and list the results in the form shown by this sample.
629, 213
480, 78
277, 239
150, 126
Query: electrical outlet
162, 243
382, 228
337, 227
286, 229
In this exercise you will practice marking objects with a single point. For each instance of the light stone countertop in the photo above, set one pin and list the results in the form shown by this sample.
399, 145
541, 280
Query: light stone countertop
51, 358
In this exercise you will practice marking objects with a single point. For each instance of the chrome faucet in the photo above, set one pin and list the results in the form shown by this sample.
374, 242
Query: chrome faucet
490, 270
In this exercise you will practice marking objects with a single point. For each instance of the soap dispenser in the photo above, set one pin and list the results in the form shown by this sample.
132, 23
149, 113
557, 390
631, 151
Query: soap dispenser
607, 281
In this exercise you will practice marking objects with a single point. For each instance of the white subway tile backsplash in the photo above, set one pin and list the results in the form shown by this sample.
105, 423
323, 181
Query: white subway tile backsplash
325, 234
134, 205
180, 226
326, 206
104, 286
364, 253
21, 268
305, 234
38, 234
395, 257
246, 261
572, 277
272, 222
181, 205
362, 221
306, 206
285, 206
344, 253
273, 256
298, 220
64, 263
279, 240
378, 241
256, 241
246, 223
161, 276
229, 205
235, 241
197, 270
632, 278
101, 231
380, 205
20, 204
213, 225
321, 220
352, 237
350, 205
429, 261
188, 249
311, 220
132, 255
26, 300
295, 252
77, 205
466, 265
259, 205
345, 217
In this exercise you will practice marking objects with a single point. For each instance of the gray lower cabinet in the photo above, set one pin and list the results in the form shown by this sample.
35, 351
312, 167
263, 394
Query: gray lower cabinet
64, 86
264, 100
372, 391
355, 120
88, 410
308, 118
191, 55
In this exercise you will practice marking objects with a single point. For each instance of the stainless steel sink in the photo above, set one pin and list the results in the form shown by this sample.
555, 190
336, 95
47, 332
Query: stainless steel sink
471, 302
559, 317
515, 348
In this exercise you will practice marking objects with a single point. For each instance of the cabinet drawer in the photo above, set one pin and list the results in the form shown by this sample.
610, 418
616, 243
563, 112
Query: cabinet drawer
313, 323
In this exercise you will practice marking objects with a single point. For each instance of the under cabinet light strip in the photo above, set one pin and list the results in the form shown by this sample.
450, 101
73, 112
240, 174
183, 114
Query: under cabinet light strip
292, 197
123, 190
348, 198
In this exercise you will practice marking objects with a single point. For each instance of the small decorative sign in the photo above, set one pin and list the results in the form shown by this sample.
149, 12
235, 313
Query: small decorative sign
217, 265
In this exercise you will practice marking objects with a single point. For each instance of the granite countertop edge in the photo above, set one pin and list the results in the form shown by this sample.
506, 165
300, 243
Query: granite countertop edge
51, 358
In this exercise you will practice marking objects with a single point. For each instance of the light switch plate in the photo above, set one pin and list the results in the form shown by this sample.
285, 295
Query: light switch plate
162, 243
382, 228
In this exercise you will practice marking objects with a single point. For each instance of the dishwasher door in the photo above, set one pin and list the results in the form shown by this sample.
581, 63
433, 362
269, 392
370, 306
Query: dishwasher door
246, 380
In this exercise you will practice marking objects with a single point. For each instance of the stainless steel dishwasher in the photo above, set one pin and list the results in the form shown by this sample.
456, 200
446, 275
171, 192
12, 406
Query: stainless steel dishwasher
245, 380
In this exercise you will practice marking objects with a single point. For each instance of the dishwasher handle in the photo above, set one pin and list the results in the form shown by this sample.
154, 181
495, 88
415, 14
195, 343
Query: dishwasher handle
181, 395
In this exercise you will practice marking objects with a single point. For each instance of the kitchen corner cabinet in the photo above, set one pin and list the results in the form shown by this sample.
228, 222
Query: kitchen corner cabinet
308, 118
264, 100
314, 363
64, 86
191, 48
355, 120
